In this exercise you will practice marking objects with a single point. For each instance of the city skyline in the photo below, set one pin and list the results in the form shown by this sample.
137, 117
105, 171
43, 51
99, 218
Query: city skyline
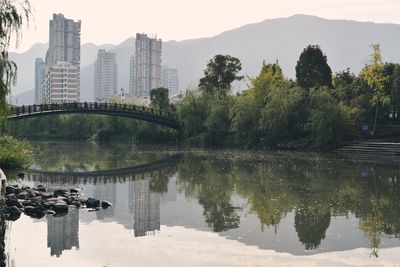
209, 18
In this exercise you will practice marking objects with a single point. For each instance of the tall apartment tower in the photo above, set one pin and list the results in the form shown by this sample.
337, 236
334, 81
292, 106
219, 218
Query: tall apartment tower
170, 80
148, 64
132, 76
105, 76
63, 61
39, 79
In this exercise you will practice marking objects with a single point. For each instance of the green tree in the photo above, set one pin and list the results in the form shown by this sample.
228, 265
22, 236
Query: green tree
193, 112
373, 75
221, 71
330, 121
312, 69
159, 97
282, 114
13, 15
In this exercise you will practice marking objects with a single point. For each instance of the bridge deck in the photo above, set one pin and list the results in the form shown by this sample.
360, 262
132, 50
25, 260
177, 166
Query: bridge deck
159, 116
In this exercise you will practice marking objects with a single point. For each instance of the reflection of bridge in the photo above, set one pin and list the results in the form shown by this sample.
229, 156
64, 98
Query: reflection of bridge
159, 116
94, 176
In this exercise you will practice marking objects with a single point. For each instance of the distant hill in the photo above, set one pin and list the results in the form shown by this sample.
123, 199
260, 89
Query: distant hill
346, 44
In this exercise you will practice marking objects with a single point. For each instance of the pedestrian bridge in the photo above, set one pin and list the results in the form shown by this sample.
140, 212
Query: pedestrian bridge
158, 116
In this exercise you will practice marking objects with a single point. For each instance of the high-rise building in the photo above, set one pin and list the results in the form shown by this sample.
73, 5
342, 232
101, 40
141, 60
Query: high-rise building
132, 76
105, 76
148, 64
62, 81
170, 80
39, 79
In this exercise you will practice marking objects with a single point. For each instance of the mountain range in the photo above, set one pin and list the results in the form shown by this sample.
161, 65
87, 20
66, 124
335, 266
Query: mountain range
346, 43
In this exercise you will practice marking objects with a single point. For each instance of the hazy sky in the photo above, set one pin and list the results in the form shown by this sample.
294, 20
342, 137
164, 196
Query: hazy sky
105, 21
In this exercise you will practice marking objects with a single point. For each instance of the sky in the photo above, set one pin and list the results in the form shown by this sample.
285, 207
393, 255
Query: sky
105, 21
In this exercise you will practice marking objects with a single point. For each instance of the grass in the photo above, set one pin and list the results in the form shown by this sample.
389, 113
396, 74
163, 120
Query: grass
14, 154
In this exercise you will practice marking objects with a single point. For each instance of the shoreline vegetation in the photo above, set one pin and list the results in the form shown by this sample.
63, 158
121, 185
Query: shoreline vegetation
317, 111
14, 154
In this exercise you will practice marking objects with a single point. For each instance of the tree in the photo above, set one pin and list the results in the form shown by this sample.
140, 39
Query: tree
221, 71
312, 69
159, 97
373, 75
12, 16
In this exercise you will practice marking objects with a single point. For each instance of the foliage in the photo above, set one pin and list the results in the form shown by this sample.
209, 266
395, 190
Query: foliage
221, 71
312, 69
281, 115
373, 75
329, 120
13, 15
159, 97
14, 154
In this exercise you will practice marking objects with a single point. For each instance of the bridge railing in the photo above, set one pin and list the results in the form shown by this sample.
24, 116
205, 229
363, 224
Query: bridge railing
21, 110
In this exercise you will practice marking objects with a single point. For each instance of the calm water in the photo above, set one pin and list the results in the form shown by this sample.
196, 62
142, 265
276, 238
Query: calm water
211, 208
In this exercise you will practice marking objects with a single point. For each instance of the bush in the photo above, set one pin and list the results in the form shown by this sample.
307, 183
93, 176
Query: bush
14, 154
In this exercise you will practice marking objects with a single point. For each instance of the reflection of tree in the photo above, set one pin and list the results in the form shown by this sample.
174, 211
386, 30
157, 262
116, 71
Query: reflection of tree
211, 182
315, 187
311, 225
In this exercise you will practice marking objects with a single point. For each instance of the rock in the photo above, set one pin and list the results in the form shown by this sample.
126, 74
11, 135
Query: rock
60, 207
31, 193
11, 190
92, 203
23, 195
35, 212
24, 187
46, 195
50, 212
60, 193
26, 202
13, 213
13, 202
105, 204
41, 188
48, 204
77, 204
11, 196
73, 190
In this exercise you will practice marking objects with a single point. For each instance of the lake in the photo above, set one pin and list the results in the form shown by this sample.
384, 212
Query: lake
181, 207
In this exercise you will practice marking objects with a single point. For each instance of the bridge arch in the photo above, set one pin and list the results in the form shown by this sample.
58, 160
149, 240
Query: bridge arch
158, 116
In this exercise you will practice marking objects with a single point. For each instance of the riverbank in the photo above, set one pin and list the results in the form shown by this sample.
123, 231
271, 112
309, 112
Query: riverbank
14, 154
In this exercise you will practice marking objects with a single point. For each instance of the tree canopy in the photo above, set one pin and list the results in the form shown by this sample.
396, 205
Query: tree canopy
221, 71
312, 69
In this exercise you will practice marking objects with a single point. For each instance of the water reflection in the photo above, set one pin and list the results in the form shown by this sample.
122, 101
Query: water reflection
63, 232
296, 203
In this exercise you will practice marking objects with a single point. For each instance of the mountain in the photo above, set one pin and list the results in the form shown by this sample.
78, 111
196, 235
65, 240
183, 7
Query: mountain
347, 44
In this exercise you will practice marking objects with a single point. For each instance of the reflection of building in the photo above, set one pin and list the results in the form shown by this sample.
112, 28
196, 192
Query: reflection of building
147, 209
132, 75
63, 232
105, 191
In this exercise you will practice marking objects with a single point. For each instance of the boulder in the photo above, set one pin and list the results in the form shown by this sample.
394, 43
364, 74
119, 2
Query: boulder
92, 203
105, 204
35, 212
13, 202
41, 188
73, 190
46, 195
31, 193
60, 193
60, 207
13, 213
23, 195
11, 190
